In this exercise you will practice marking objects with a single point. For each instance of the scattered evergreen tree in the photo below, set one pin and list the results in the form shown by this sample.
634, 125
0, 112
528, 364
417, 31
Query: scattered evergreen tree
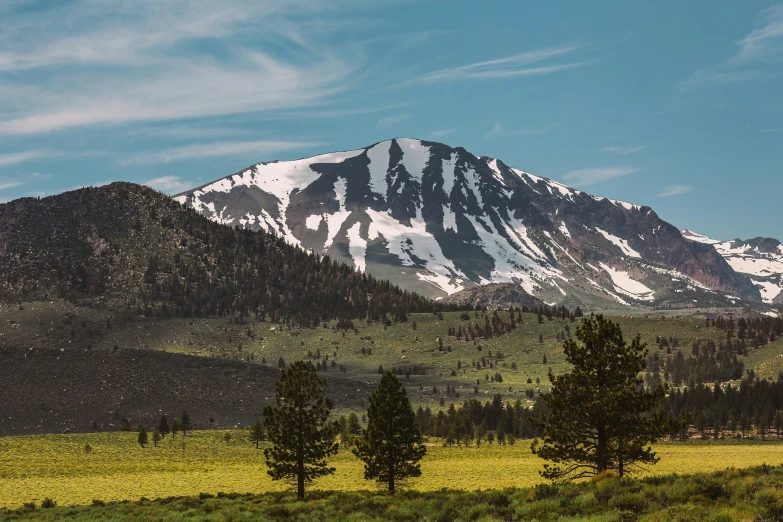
597, 415
163, 426
354, 427
143, 437
391, 444
299, 428
184, 423
156, 437
257, 432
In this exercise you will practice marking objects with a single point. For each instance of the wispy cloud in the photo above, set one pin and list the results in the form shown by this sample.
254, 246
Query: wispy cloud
524, 64
392, 120
169, 184
584, 177
9, 183
674, 190
534, 130
146, 62
442, 133
494, 131
20, 157
500, 130
208, 150
624, 150
764, 44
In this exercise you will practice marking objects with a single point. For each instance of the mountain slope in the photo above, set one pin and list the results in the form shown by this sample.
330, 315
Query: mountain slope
438, 219
760, 258
131, 244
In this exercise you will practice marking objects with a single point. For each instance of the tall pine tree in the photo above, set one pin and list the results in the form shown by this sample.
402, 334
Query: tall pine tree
391, 445
598, 416
298, 427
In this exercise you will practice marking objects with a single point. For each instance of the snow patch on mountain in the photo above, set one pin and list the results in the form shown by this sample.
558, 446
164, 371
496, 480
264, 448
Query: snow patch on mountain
413, 243
449, 219
622, 244
693, 236
447, 166
626, 285
764, 266
357, 246
415, 157
379, 165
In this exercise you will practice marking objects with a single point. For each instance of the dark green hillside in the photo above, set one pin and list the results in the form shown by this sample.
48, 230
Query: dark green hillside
130, 243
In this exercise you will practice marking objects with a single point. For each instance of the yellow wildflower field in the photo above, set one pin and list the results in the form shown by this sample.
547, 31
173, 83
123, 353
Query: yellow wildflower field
117, 468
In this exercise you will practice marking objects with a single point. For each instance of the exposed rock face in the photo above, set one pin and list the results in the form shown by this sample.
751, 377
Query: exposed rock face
760, 258
437, 219
495, 296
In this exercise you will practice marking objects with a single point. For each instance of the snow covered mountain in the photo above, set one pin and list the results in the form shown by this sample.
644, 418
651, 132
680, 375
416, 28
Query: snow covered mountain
761, 258
437, 219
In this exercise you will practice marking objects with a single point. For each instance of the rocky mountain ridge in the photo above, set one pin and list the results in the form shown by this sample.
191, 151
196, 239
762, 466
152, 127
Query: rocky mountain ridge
438, 219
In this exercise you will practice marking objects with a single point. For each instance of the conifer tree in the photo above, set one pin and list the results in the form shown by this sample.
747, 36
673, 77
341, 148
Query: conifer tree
298, 427
143, 437
156, 437
257, 432
598, 415
391, 445
184, 422
163, 426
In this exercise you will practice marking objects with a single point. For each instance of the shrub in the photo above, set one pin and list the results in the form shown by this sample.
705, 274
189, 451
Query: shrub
29, 505
48, 503
635, 502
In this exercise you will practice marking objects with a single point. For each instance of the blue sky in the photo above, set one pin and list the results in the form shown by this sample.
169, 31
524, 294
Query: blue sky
671, 104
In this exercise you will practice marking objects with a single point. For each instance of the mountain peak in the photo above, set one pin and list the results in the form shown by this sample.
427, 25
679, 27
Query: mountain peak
437, 219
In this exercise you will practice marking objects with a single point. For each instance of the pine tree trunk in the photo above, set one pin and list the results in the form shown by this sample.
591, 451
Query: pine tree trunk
601, 450
300, 491
391, 479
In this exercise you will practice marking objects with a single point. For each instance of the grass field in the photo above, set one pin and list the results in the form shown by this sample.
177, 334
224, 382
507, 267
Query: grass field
753, 494
400, 344
36, 467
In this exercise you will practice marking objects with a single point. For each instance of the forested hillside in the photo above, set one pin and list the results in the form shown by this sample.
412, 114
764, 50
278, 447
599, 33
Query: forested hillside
129, 243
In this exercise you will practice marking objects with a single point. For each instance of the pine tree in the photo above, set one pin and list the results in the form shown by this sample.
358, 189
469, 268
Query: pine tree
597, 415
299, 428
163, 426
257, 432
184, 423
143, 437
156, 437
391, 444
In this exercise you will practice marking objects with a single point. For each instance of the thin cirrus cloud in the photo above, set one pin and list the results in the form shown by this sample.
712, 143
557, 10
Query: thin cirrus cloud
146, 63
624, 150
216, 149
585, 177
762, 46
14, 158
169, 184
494, 131
10, 183
442, 133
531, 63
674, 190
392, 120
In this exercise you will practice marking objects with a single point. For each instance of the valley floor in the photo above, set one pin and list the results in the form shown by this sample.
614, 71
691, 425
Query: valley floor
115, 468
746, 494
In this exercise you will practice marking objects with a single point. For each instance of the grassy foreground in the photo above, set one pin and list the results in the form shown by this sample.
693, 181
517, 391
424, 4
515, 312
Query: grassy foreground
748, 494
33, 468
